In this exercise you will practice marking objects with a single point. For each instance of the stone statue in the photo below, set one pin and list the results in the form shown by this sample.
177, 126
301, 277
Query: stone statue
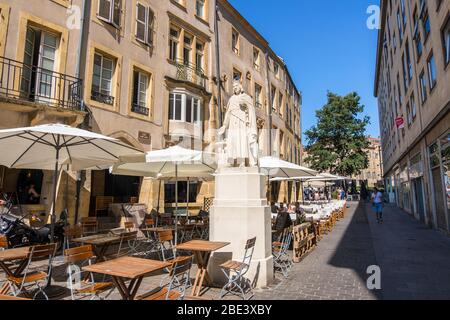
240, 126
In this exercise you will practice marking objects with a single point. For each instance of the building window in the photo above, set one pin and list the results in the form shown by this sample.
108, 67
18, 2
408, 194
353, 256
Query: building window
400, 28
423, 87
419, 47
408, 62
102, 78
413, 107
184, 107
405, 77
141, 83
235, 41
431, 71
173, 44
256, 59
144, 24
258, 93
200, 8
237, 75
187, 49
273, 92
280, 102
109, 11
276, 69
199, 56
41, 49
446, 39
426, 26
408, 114
403, 12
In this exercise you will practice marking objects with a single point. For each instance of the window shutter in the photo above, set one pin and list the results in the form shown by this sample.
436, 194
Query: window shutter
150, 20
140, 22
104, 9
116, 13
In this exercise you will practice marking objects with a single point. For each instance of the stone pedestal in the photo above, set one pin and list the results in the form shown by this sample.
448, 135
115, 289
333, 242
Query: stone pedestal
240, 212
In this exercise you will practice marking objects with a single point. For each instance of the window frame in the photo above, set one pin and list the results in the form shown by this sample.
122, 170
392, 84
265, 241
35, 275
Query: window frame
235, 48
446, 45
183, 111
172, 40
431, 72
111, 19
148, 27
113, 70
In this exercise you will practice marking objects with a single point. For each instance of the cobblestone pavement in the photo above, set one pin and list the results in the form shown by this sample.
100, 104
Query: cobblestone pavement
336, 269
414, 262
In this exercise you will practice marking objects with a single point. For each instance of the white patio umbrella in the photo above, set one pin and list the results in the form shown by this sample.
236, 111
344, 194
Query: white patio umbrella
276, 170
173, 162
51, 146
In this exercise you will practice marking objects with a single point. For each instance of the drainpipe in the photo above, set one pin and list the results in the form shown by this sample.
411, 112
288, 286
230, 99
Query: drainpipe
269, 95
218, 82
81, 175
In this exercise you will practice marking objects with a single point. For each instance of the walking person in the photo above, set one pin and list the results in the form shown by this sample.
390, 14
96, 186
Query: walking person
377, 200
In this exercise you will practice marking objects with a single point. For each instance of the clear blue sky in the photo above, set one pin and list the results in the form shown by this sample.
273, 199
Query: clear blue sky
326, 45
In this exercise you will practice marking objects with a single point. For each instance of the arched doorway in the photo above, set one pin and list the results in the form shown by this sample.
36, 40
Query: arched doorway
29, 186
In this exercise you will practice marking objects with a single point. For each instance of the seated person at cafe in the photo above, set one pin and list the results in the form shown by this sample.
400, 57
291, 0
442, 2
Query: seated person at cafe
33, 195
283, 220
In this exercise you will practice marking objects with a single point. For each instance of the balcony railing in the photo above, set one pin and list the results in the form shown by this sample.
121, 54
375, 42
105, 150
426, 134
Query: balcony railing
139, 109
30, 83
190, 73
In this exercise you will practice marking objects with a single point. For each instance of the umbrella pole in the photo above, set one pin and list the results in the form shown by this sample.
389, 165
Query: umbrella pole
53, 291
176, 204
55, 182
187, 199
157, 204
303, 192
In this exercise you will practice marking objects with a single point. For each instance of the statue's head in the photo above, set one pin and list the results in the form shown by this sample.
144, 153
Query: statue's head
237, 87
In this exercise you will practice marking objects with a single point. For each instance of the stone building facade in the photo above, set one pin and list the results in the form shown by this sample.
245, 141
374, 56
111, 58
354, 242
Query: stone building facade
412, 86
144, 72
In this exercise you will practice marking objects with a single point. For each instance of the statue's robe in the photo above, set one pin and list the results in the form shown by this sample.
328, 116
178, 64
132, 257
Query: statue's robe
242, 130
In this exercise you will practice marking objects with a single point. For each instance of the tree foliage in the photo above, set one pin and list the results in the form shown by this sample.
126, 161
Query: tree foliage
338, 141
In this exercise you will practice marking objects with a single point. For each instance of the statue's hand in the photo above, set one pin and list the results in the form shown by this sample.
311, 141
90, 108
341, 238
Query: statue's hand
221, 131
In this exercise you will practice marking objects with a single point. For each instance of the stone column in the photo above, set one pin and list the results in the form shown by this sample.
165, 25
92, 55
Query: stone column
240, 212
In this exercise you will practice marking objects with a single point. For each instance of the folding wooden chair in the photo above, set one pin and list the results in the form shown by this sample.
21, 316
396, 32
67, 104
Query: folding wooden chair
70, 233
3, 242
176, 288
29, 278
127, 244
86, 286
281, 259
235, 272
89, 225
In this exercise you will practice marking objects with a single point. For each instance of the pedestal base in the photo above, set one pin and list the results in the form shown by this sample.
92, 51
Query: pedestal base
240, 212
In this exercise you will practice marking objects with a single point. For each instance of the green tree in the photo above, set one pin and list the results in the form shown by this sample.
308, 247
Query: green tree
337, 142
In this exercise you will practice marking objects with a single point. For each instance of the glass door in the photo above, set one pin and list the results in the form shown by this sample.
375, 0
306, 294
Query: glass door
45, 84
38, 80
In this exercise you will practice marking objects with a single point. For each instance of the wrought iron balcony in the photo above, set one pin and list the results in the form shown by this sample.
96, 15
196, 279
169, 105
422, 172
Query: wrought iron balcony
191, 73
102, 98
140, 109
29, 83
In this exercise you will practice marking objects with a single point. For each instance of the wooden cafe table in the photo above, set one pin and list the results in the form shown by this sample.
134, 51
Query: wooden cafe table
127, 268
202, 251
9, 255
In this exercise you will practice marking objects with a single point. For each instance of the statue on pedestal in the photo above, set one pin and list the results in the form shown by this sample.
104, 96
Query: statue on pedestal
241, 130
